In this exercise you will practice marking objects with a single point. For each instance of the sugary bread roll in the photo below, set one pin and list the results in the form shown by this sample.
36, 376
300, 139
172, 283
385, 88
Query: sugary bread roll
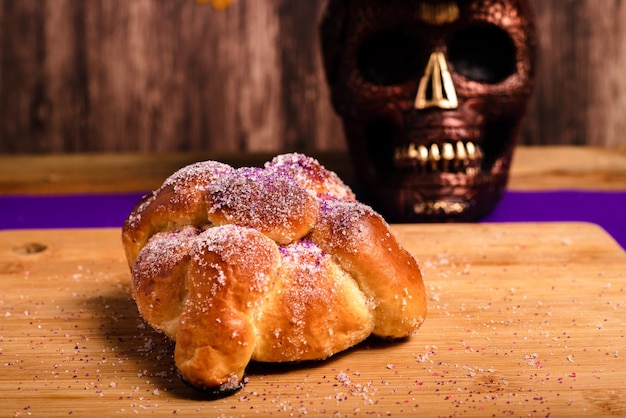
273, 264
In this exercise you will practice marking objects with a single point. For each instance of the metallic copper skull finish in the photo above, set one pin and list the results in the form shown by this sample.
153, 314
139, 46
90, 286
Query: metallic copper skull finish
431, 94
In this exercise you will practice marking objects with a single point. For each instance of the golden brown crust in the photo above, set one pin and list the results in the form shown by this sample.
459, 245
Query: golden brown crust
315, 310
159, 278
178, 203
231, 271
274, 264
361, 242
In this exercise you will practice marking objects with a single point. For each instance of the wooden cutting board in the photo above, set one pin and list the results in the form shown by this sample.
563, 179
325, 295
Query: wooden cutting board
524, 320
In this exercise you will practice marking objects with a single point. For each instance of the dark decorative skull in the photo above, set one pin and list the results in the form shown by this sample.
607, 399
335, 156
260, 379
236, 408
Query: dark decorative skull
431, 95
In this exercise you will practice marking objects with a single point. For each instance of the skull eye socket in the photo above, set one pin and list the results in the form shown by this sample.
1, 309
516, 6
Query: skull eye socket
390, 57
484, 54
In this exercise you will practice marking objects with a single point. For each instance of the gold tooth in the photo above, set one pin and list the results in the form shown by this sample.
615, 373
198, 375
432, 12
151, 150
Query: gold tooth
471, 151
476, 153
435, 156
461, 154
448, 151
438, 207
423, 153
434, 152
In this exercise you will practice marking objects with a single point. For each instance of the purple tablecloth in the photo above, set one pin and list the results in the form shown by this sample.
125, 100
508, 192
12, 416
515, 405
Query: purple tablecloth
109, 210
602, 208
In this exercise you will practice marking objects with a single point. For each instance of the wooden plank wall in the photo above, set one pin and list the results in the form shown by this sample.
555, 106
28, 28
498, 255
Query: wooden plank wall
580, 97
176, 75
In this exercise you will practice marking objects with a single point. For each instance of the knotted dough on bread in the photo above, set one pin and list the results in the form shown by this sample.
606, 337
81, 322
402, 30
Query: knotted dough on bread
273, 264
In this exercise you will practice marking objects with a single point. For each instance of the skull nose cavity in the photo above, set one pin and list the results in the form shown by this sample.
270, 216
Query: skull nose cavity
436, 88
460, 157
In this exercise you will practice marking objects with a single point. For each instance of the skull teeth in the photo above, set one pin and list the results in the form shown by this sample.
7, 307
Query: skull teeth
440, 207
451, 157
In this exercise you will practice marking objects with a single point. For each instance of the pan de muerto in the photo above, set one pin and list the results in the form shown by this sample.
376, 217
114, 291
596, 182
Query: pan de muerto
273, 264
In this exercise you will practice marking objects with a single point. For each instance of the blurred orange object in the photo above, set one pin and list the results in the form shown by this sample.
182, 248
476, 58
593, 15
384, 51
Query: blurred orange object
217, 4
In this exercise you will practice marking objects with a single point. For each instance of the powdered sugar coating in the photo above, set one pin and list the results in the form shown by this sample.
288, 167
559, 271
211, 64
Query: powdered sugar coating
162, 253
133, 220
159, 271
318, 309
242, 248
311, 175
308, 262
305, 286
343, 220
184, 187
204, 172
269, 201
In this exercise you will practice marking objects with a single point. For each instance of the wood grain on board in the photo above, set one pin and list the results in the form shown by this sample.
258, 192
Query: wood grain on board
524, 320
